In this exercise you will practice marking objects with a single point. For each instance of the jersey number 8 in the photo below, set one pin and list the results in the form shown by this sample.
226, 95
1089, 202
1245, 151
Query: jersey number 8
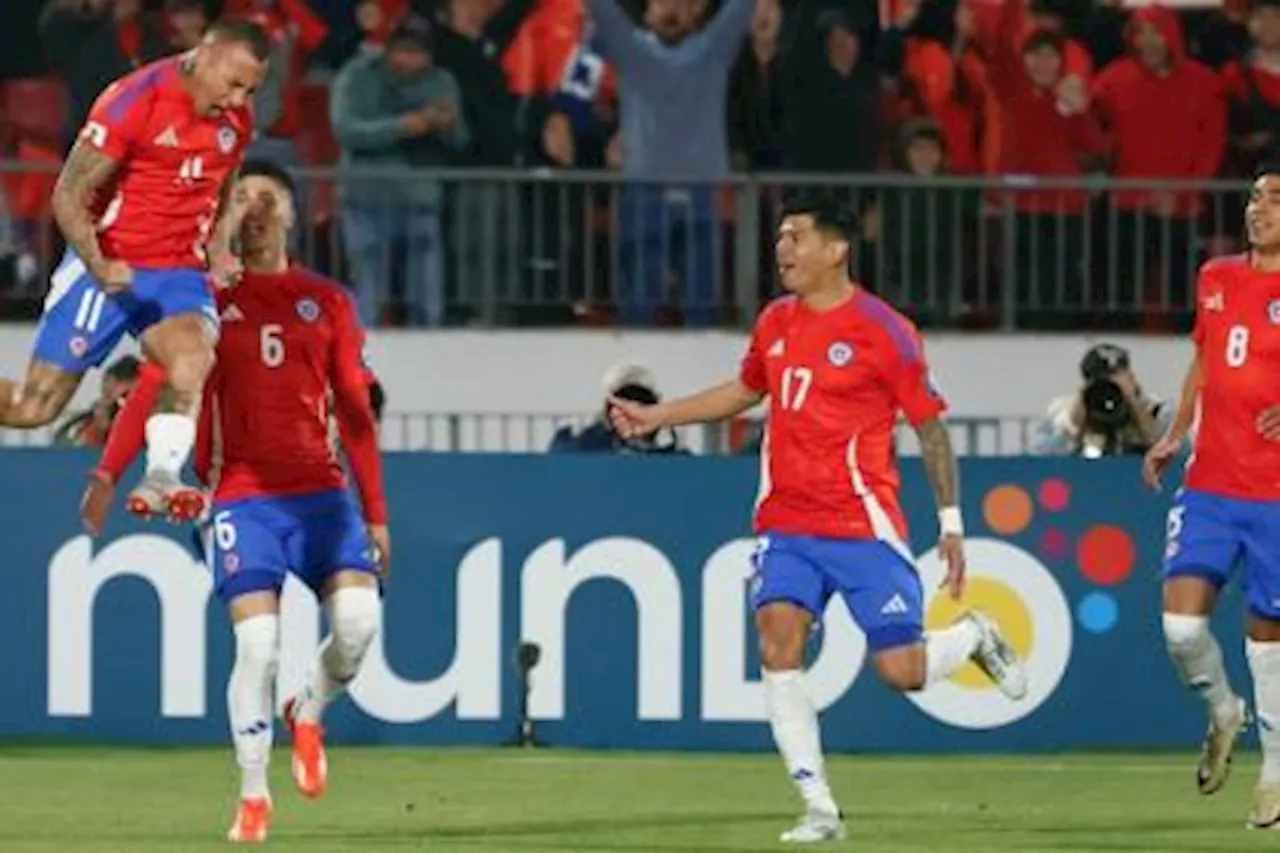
1237, 346
271, 344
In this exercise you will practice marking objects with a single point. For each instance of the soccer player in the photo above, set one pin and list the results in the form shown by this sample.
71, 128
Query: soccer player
838, 365
1228, 512
137, 201
290, 345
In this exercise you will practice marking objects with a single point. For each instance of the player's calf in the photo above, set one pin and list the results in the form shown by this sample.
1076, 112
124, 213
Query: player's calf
249, 700
355, 617
40, 398
1198, 659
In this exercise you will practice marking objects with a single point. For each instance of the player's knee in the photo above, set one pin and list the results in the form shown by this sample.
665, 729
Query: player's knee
258, 645
355, 619
1184, 633
189, 369
781, 650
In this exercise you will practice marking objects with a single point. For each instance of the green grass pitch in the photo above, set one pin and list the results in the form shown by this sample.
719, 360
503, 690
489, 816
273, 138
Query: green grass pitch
103, 800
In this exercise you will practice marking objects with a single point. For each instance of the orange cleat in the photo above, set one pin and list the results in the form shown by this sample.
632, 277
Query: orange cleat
252, 820
185, 504
310, 766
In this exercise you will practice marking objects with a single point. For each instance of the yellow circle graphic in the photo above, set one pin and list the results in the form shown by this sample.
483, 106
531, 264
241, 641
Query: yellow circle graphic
997, 600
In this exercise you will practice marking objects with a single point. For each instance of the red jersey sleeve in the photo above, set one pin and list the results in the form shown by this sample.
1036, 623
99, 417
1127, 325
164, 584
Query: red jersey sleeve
119, 116
751, 372
909, 380
1206, 300
355, 416
129, 431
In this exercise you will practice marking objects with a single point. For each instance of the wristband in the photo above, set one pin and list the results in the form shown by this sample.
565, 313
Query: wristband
950, 522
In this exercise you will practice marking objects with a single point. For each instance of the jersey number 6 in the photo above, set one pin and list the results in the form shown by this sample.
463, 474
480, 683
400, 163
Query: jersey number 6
271, 344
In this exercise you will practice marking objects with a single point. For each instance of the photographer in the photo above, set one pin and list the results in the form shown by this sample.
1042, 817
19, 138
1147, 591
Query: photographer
628, 382
1110, 415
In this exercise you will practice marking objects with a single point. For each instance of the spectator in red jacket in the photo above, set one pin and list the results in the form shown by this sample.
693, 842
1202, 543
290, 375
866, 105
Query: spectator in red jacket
1167, 118
1253, 88
1048, 132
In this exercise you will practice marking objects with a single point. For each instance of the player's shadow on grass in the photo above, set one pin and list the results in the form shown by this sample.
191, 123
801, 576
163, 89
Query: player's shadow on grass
536, 831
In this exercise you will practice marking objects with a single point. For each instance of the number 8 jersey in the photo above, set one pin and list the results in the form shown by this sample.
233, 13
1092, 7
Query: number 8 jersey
836, 381
1237, 338
159, 211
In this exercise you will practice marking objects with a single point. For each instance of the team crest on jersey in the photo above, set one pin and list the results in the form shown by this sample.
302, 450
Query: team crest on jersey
1273, 312
231, 564
226, 139
839, 354
78, 346
308, 310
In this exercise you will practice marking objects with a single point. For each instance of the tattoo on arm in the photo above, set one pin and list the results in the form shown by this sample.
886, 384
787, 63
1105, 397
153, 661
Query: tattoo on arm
85, 171
939, 462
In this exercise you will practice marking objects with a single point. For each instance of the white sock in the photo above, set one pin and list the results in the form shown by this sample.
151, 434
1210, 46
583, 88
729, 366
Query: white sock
795, 730
947, 650
170, 438
355, 615
249, 706
1198, 660
1264, 663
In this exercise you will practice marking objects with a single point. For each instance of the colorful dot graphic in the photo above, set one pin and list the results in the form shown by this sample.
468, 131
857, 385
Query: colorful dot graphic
1007, 509
1098, 612
1105, 554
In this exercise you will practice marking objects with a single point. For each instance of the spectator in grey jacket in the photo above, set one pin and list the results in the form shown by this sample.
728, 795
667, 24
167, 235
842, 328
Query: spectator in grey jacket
674, 80
396, 110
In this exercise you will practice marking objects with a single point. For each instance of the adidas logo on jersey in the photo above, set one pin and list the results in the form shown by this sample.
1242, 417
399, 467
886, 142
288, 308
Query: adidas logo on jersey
894, 606
231, 313
778, 348
168, 138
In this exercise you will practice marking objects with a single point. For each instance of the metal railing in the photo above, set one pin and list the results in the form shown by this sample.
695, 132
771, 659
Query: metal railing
511, 247
514, 432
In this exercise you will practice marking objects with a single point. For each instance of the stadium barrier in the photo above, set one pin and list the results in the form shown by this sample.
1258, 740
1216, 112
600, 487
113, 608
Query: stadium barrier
631, 576
542, 247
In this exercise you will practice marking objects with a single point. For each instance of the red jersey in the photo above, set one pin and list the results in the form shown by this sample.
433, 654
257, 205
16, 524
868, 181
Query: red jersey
836, 381
161, 207
290, 358
1237, 337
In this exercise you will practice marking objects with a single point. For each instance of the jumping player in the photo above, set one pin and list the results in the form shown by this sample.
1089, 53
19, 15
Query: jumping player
290, 344
1228, 512
837, 365
137, 200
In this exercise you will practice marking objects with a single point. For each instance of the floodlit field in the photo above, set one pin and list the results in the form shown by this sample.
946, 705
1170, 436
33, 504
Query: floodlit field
67, 798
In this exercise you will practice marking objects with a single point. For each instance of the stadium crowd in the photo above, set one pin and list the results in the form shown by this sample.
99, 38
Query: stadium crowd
683, 93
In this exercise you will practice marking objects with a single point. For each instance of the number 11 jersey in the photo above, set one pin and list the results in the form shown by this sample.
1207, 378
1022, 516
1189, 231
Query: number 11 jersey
1237, 338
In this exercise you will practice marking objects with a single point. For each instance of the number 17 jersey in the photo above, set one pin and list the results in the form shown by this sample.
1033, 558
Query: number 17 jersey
1237, 338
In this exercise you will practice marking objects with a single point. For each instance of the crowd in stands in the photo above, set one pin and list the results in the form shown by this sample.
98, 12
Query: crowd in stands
674, 95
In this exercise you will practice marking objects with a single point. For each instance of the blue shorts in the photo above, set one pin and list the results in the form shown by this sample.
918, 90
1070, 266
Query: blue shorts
881, 589
251, 544
1209, 536
82, 325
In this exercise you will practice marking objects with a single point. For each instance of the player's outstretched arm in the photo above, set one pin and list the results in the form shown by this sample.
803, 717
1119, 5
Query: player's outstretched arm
232, 206
84, 173
731, 398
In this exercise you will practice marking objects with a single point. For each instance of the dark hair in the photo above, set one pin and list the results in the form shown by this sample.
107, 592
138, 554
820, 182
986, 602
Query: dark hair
1267, 168
178, 7
124, 369
1259, 5
829, 214
377, 399
1041, 39
272, 171
241, 31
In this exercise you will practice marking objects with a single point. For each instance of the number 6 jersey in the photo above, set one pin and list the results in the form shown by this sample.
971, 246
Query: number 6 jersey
836, 381
1237, 338
160, 209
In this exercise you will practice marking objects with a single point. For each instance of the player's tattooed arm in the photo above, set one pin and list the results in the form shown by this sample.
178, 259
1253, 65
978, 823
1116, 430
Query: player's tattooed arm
84, 173
939, 462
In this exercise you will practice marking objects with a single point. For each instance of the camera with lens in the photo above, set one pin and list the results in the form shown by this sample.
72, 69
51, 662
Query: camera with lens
1109, 419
